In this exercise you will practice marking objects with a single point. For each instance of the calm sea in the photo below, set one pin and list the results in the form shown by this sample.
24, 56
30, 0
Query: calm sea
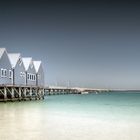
104, 116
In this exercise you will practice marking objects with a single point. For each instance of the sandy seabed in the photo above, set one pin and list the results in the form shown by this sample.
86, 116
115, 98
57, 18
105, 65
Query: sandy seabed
35, 126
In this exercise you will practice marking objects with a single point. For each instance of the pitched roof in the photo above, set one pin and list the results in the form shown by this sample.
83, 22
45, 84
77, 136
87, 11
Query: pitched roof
2, 51
14, 57
27, 61
37, 65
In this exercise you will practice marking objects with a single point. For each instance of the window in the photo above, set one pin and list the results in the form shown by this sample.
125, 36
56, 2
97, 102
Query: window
10, 74
21, 74
31, 77
28, 76
3, 72
34, 77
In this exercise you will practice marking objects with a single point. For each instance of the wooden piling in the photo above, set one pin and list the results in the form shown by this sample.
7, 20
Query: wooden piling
18, 93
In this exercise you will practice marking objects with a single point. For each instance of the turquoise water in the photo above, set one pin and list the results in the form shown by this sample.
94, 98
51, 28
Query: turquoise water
107, 105
70, 117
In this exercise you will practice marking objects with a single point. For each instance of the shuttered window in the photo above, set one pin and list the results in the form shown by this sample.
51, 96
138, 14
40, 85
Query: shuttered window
10, 74
3, 72
28, 76
31, 77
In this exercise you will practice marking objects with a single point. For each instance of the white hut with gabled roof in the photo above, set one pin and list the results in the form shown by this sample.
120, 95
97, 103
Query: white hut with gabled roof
18, 77
30, 71
39, 73
18, 70
5, 68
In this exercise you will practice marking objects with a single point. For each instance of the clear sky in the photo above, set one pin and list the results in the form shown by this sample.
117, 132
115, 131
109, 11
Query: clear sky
83, 43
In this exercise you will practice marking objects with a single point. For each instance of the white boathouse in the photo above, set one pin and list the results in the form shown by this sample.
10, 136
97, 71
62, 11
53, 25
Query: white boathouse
18, 78
39, 73
5, 68
18, 69
30, 71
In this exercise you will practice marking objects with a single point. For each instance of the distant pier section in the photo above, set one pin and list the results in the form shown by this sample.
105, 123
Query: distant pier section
56, 90
21, 78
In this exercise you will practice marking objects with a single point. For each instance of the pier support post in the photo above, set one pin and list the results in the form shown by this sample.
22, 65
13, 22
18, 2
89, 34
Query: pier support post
30, 93
43, 93
39, 93
19, 94
12, 94
5, 94
24, 94
36, 90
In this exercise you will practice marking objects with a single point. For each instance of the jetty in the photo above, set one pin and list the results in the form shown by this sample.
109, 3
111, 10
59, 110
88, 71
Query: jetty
57, 90
22, 78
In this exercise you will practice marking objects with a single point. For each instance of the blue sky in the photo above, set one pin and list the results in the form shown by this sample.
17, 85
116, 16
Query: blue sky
86, 44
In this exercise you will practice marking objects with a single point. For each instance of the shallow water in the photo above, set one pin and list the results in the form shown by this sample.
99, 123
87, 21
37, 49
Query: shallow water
114, 116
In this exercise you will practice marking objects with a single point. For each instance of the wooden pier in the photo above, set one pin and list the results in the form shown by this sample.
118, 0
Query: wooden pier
61, 91
69, 90
21, 93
